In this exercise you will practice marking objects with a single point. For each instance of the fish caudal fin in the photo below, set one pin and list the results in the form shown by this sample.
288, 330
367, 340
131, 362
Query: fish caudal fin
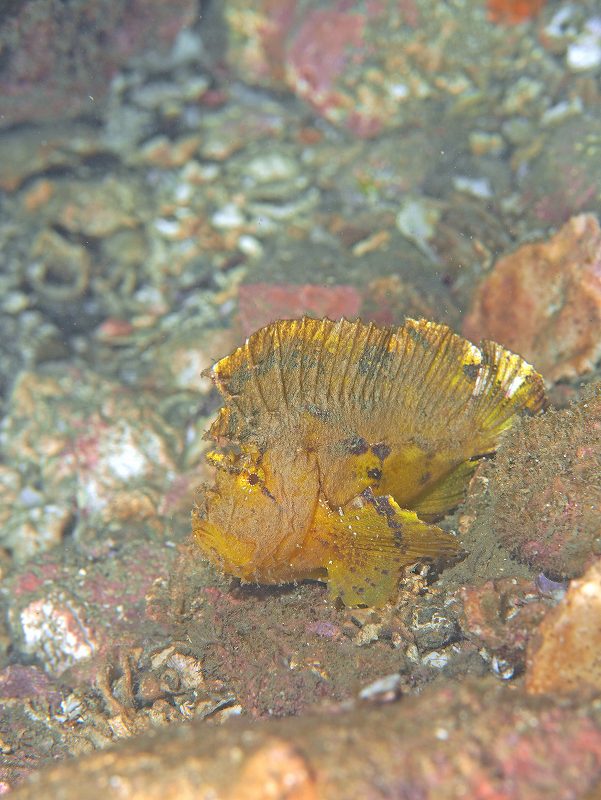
372, 540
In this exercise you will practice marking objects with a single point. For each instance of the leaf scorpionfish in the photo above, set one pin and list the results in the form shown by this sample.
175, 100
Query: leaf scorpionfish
340, 443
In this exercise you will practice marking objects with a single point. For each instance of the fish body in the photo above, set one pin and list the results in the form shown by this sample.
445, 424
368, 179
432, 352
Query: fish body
340, 443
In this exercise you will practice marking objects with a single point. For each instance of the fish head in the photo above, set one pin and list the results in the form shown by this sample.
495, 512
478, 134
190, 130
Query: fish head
252, 520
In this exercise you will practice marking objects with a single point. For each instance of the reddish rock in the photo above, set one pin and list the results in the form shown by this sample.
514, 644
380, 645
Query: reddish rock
64, 614
58, 58
99, 448
277, 770
543, 301
565, 654
264, 48
310, 49
318, 56
262, 303
114, 329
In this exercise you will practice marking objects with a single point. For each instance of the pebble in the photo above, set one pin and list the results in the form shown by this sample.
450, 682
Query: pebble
229, 216
518, 130
484, 143
196, 173
502, 668
382, 689
367, 634
250, 246
561, 26
55, 627
187, 47
169, 228
478, 187
417, 221
282, 211
584, 54
272, 167
14, 302
436, 659
164, 95
562, 111
520, 97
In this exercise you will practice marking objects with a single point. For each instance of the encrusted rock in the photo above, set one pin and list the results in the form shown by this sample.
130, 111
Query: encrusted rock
54, 628
499, 617
433, 627
545, 495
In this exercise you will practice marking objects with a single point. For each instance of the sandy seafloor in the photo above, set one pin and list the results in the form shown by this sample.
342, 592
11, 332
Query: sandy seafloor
160, 199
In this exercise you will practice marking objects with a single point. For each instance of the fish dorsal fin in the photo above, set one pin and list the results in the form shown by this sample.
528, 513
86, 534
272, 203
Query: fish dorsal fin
418, 382
451, 390
288, 367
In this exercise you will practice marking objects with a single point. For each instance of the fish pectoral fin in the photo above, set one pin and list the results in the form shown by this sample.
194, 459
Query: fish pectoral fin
373, 539
446, 493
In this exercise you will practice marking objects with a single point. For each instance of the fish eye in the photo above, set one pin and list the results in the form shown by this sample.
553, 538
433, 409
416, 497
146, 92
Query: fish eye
374, 473
251, 480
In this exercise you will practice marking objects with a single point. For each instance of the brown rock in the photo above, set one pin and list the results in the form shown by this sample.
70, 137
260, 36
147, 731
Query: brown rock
565, 654
544, 301
276, 772
477, 740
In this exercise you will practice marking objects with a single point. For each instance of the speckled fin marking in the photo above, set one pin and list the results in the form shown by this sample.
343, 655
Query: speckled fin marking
427, 381
372, 539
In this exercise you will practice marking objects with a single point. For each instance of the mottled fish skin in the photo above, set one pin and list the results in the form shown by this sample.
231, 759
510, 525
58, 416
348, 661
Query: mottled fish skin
340, 443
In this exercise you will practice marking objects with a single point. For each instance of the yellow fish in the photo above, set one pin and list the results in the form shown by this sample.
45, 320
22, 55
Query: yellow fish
339, 443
